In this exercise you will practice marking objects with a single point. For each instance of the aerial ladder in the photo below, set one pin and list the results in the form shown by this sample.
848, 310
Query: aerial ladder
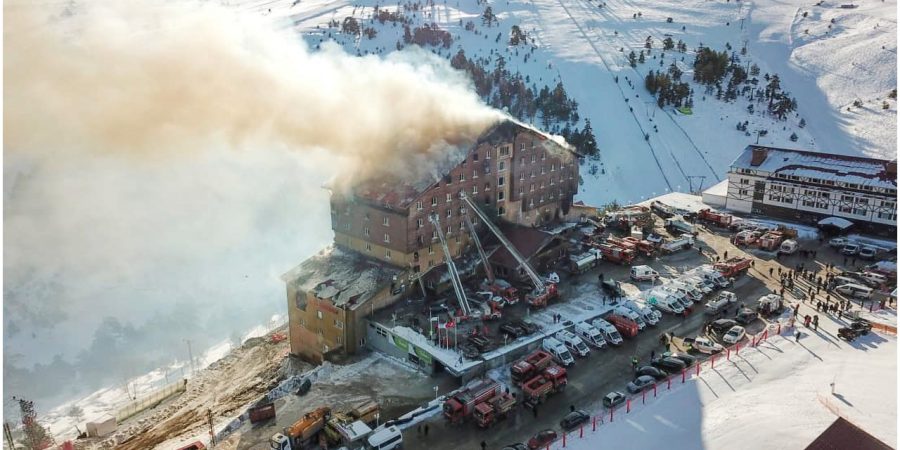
497, 287
542, 292
451, 267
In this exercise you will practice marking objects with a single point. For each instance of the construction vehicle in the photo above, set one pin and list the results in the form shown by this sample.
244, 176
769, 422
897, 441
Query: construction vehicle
683, 242
552, 380
732, 266
770, 304
465, 310
489, 412
461, 405
643, 246
715, 218
261, 412
543, 292
677, 224
770, 241
531, 365
616, 254
303, 432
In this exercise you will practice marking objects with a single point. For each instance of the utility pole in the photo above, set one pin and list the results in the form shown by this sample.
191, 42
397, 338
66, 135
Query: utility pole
212, 431
7, 435
190, 355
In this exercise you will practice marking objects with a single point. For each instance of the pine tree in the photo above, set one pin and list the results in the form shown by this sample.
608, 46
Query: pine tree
632, 59
641, 57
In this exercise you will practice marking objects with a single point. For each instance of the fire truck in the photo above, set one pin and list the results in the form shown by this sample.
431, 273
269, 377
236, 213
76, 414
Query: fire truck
460, 406
715, 218
552, 380
732, 266
616, 254
488, 412
530, 366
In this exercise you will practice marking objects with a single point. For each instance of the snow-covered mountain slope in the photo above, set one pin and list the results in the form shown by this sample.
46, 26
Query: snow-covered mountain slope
646, 150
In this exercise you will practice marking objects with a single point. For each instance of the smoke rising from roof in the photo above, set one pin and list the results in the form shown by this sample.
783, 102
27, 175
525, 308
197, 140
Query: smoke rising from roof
163, 165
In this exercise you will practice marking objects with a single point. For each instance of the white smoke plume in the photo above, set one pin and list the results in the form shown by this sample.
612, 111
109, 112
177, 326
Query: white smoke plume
163, 164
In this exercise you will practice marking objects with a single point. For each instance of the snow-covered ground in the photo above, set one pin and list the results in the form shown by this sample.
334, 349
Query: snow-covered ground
777, 395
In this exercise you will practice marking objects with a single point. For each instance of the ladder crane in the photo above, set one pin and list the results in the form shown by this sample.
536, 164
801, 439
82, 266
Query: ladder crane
497, 287
542, 292
451, 267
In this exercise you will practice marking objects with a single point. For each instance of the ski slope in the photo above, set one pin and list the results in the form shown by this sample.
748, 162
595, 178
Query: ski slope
647, 151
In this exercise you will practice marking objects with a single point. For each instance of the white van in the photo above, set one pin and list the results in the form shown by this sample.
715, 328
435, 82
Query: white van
650, 316
693, 294
628, 313
854, 290
788, 247
713, 276
608, 330
643, 273
873, 279
558, 351
840, 280
386, 439
590, 334
573, 343
698, 283
664, 301
678, 296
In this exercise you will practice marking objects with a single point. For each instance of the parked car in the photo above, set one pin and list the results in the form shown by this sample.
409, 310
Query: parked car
541, 439
734, 335
688, 360
721, 326
640, 384
613, 399
516, 446
868, 252
850, 249
746, 316
671, 365
573, 419
653, 372
838, 242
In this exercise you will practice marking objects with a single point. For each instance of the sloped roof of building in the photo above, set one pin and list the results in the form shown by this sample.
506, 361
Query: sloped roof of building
398, 193
843, 435
823, 166
528, 241
344, 277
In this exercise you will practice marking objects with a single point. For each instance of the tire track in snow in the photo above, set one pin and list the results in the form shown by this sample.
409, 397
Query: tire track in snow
622, 92
606, 11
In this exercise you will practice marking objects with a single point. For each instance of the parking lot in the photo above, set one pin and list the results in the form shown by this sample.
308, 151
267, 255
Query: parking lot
610, 369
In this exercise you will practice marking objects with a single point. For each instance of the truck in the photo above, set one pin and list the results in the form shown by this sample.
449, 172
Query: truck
343, 431
590, 334
526, 368
629, 216
461, 405
496, 409
677, 225
262, 411
661, 209
643, 246
770, 304
771, 241
721, 301
612, 287
572, 342
552, 380
303, 432
733, 266
683, 242
625, 326
583, 262
616, 255
558, 350
715, 218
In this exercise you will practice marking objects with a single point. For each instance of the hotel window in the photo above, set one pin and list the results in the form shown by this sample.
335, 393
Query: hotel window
522, 146
552, 182
487, 186
449, 229
386, 221
532, 188
500, 181
846, 204
543, 156
501, 166
543, 170
501, 211
474, 189
366, 217
553, 167
461, 193
338, 324
368, 247
500, 195
504, 151
319, 314
474, 173
430, 249
475, 156
433, 201
532, 157
419, 205
366, 231
487, 154
387, 238
522, 176
449, 197
340, 340
387, 254
462, 177
419, 223
522, 161
449, 212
